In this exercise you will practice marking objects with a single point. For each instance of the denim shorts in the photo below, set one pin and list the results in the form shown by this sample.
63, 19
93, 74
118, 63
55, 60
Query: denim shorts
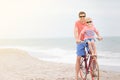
81, 49
90, 39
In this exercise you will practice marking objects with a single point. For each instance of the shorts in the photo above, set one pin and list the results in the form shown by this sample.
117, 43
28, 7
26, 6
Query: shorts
89, 40
81, 49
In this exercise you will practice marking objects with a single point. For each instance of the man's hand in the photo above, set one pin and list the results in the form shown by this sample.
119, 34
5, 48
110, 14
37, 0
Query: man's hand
78, 41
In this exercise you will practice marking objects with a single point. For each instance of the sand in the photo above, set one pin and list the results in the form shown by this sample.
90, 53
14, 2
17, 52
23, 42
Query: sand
17, 64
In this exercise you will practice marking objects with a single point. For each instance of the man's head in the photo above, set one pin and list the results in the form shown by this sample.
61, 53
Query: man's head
82, 15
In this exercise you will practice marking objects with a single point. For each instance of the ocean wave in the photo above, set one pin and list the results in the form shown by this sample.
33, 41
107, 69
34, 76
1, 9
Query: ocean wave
61, 55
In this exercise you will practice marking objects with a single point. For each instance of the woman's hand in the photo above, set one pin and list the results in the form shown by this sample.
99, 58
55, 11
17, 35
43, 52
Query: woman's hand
99, 38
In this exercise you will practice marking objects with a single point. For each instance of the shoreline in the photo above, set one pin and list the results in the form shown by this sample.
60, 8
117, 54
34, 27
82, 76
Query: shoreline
17, 64
110, 68
102, 67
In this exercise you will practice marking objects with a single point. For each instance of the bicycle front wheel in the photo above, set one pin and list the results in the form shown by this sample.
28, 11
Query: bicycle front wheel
94, 69
82, 70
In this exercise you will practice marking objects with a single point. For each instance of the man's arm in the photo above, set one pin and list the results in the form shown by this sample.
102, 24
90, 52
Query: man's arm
76, 35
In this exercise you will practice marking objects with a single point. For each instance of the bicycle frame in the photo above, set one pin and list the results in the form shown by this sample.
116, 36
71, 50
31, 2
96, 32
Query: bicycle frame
87, 62
87, 59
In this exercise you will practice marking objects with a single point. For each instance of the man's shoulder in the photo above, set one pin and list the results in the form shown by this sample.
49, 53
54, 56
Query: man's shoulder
77, 21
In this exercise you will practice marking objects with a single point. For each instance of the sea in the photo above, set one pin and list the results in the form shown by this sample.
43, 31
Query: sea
63, 50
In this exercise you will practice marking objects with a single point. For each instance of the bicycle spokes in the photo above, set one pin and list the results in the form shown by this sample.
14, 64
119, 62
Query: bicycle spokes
89, 72
94, 70
82, 70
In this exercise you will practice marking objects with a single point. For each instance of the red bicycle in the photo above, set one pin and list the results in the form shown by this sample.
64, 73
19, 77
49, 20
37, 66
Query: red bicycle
89, 68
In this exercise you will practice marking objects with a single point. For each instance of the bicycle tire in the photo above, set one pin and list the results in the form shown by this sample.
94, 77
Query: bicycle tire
82, 70
94, 69
84, 75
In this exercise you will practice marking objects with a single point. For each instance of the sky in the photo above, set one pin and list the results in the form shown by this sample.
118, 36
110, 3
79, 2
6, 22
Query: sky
56, 18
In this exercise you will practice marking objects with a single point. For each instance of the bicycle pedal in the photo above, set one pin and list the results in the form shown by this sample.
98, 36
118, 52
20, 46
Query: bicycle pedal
80, 66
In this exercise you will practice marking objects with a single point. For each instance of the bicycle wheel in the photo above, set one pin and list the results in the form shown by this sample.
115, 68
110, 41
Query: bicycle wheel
82, 70
94, 69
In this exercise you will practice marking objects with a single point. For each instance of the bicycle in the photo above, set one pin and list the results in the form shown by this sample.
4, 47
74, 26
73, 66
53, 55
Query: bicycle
89, 68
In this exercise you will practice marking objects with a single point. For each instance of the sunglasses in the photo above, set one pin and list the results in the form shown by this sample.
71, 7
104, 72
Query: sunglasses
89, 22
81, 16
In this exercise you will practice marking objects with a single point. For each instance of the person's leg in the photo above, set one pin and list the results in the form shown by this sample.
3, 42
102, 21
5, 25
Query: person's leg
90, 47
93, 46
94, 63
80, 52
77, 66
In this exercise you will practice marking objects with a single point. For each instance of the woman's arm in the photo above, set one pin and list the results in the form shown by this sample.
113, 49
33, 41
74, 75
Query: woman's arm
98, 35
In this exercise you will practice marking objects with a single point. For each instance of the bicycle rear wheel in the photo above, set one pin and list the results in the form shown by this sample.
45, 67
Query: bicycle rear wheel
94, 70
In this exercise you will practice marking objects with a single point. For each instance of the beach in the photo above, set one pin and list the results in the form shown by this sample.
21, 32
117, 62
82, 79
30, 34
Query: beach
16, 64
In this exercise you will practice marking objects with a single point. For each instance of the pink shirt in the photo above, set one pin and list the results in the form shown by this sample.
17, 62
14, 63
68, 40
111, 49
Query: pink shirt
89, 32
80, 26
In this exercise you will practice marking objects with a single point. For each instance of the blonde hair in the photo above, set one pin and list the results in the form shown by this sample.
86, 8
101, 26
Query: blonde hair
88, 19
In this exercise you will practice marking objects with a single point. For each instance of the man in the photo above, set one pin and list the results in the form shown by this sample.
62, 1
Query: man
79, 25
